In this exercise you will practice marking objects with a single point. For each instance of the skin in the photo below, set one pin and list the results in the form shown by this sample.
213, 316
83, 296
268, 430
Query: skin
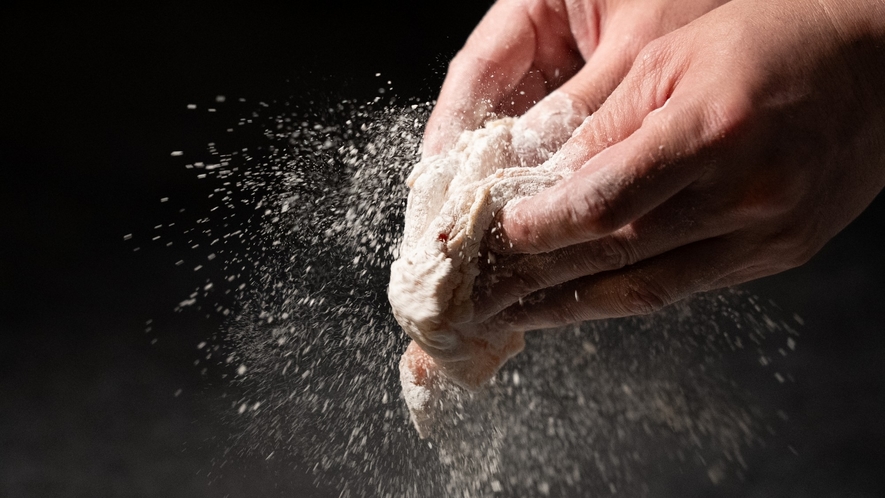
522, 50
726, 143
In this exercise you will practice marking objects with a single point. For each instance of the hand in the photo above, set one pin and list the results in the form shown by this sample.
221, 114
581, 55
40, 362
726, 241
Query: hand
735, 148
522, 50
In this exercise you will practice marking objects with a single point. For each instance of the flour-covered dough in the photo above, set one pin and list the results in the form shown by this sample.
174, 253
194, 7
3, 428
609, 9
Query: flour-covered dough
453, 200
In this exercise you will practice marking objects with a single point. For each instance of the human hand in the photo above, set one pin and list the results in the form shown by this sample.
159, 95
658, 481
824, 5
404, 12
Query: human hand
522, 50
735, 148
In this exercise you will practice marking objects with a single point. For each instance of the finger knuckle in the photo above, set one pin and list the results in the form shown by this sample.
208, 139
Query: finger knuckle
789, 247
800, 256
769, 198
726, 117
607, 253
641, 297
591, 213
801, 244
652, 63
777, 202
653, 53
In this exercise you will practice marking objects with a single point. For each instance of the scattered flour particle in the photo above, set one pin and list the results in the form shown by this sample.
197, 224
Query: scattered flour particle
177, 393
127, 236
791, 343
496, 487
241, 370
164, 199
176, 153
192, 106
220, 98
201, 345
544, 488
716, 474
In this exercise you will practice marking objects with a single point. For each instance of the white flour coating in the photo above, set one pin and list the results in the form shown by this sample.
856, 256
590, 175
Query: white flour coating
545, 127
452, 204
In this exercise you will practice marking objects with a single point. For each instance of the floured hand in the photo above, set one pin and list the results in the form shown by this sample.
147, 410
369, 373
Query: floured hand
735, 148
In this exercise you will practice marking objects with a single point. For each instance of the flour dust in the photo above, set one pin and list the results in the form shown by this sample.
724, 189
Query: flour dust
310, 219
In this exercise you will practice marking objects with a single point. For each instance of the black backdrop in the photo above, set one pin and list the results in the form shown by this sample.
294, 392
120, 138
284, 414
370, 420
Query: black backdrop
92, 101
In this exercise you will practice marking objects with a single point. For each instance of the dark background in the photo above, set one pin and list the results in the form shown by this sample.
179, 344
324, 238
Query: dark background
92, 102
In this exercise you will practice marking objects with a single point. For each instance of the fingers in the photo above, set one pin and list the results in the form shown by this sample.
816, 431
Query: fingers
674, 224
639, 289
653, 157
544, 128
550, 123
497, 58
609, 55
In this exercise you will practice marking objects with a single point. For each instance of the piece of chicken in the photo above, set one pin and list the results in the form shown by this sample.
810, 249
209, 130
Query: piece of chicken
452, 204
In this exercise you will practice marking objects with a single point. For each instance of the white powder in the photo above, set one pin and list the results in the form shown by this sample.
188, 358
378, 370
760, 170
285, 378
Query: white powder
306, 231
